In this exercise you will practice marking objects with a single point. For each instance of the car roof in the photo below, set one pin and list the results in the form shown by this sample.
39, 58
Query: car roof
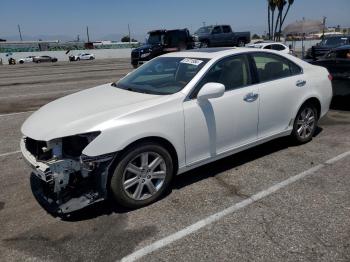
163, 31
267, 43
343, 47
216, 52
337, 36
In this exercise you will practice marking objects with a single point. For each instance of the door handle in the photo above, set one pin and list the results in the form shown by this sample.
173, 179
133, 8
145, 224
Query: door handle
251, 97
300, 83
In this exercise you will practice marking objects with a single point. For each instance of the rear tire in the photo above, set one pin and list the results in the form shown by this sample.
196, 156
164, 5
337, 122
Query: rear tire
241, 43
142, 175
305, 124
205, 44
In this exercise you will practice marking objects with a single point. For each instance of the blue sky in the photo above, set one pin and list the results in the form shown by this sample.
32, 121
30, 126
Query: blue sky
105, 17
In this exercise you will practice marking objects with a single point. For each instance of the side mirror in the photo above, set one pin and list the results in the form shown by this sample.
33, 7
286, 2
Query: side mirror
211, 90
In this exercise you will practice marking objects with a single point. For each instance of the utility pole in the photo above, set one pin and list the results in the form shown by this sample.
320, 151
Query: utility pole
203, 23
129, 34
87, 33
20, 34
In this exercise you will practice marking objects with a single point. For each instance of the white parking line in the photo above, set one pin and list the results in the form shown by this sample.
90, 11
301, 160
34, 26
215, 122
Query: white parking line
45, 93
17, 113
217, 216
9, 153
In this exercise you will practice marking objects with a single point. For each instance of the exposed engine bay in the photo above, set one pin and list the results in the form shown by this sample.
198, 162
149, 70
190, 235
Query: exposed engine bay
63, 179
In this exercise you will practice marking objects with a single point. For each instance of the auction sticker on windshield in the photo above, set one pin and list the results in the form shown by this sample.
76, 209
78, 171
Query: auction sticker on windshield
191, 61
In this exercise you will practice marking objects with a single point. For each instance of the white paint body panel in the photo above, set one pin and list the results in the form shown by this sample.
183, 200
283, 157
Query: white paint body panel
199, 132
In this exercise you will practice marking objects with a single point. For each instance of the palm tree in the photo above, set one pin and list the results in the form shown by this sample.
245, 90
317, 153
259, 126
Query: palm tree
273, 8
268, 17
280, 6
290, 2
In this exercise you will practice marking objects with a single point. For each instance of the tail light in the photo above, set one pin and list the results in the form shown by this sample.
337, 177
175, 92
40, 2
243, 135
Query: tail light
330, 77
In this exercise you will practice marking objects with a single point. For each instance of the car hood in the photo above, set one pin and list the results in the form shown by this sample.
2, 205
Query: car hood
145, 47
85, 111
201, 35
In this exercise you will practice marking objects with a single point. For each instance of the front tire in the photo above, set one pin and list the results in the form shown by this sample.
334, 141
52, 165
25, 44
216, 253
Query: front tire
305, 124
142, 175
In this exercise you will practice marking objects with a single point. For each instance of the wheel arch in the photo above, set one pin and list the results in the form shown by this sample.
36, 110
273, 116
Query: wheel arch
315, 101
158, 140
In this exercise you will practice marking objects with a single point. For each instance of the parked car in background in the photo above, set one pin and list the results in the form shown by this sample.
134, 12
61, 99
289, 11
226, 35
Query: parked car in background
160, 42
328, 43
174, 113
27, 59
337, 61
271, 45
12, 61
44, 58
220, 35
83, 56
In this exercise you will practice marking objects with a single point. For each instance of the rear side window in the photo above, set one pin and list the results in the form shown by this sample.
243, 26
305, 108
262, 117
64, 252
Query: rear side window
278, 47
174, 38
267, 47
226, 29
217, 30
271, 67
232, 72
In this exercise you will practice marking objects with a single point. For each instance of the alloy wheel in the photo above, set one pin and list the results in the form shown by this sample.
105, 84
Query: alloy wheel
144, 175
306, 123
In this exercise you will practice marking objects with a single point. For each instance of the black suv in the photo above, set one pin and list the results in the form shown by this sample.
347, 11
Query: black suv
328, 43
160, 42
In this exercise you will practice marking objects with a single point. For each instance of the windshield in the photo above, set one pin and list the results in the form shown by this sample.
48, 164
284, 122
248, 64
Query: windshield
204, 30
155, 38
334, 41
162, 75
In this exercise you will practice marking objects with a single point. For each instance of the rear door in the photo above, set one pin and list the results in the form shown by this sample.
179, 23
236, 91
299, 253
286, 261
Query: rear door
216, 38
341, 73
227, 35
281, 85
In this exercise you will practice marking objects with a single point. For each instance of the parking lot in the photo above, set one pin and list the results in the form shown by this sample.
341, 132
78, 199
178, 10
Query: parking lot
275, 202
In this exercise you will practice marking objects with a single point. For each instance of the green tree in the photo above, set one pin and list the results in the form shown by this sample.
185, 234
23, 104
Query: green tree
127, 39
255, 36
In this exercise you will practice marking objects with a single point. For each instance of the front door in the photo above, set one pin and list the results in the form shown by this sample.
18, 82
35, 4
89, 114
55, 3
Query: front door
216, 126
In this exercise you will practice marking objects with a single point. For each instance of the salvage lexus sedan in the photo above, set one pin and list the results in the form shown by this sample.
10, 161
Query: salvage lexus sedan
177, 112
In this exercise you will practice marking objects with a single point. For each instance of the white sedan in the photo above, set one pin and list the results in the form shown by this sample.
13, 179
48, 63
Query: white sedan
272, 46
177, 112
83, 56
27, 59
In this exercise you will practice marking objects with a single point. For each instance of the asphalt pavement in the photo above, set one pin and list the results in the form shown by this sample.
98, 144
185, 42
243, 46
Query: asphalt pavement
307, 220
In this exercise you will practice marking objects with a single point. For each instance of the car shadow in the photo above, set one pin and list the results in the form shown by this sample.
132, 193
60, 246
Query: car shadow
233, 161
109, 207
341, 103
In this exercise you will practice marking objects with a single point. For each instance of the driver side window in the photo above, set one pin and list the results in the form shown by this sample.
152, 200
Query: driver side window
233, 72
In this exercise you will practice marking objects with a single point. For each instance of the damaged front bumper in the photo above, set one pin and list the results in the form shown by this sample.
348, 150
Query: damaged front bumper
63, 185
